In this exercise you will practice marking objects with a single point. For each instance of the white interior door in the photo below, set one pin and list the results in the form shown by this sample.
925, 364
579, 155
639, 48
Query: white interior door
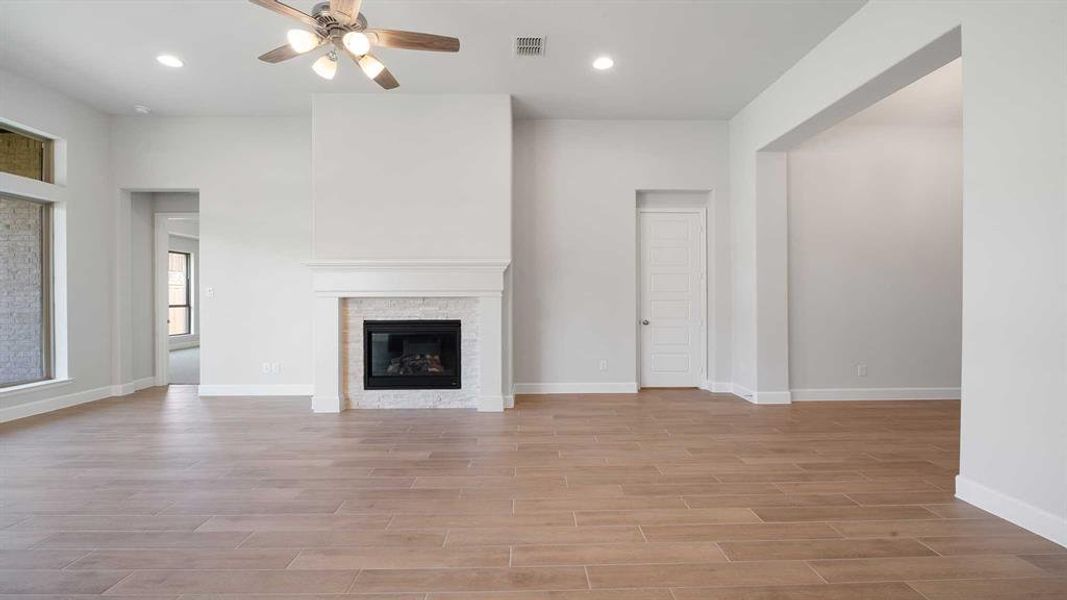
671, 299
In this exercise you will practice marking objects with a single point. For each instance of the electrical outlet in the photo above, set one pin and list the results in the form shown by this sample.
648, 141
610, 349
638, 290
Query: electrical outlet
275, 368
209, 292
603, 365
265, 367
861, 370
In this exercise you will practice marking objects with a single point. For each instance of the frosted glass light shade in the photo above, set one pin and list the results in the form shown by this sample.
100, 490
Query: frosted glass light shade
357, 42
302, 41
326, 67
371, 66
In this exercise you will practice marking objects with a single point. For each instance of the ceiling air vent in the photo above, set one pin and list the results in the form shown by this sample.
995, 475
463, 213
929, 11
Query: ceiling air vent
530, 46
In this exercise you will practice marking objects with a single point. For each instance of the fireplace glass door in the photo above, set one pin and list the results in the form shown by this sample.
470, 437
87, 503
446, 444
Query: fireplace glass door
414, 355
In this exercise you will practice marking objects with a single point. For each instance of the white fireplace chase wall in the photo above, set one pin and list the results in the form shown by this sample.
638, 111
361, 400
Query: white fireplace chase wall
347, 292
411, 220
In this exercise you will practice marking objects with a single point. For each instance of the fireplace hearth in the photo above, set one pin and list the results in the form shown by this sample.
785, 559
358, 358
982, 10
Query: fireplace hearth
411, 355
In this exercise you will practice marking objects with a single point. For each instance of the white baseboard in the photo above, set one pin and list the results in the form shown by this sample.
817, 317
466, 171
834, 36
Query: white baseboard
576, 388
256, 390
492, 403
876, 394
47, 405
133, 386
723, 387
326, 404
717, 387
785, 397
39, 407
1027, 516
67, 400
742, 392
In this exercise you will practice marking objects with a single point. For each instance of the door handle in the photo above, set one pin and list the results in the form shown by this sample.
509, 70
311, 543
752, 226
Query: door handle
644, 322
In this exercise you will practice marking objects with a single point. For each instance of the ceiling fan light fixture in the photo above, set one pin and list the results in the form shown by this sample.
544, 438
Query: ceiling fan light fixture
372, 67
356, 42
326, 66
301, 40
338, 27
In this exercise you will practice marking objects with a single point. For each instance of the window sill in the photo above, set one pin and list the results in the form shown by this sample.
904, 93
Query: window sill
26, 388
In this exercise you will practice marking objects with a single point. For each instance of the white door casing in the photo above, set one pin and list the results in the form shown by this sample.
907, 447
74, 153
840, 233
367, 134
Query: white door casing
671, 298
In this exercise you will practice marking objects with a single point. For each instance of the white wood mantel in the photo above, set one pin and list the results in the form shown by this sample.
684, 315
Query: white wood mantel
334, 280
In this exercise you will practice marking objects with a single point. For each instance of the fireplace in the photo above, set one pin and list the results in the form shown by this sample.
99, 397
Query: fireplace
411, 355
348, 293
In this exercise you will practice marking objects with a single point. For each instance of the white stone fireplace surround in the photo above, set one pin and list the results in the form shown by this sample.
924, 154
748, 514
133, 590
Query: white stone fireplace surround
335, 281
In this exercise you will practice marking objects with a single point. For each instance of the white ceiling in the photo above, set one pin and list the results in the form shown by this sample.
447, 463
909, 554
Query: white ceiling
675, 59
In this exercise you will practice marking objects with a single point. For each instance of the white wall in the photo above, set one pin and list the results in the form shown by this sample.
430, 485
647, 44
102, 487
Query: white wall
254, 182
576, 187
87, 203
254, 178
412, 176
142, 283
178, 202
189, 228
874, 262
1014, 368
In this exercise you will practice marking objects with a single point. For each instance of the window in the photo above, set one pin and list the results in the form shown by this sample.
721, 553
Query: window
25, 291
179, 318
25, 155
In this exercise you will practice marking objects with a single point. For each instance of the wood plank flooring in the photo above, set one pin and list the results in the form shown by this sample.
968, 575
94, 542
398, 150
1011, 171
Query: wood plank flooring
662, 495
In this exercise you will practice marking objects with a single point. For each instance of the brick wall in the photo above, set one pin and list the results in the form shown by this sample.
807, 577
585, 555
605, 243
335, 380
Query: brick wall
20, 291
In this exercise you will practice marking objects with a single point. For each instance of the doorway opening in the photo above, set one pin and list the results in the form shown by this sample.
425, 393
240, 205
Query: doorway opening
161, 330
875, 249
182, 287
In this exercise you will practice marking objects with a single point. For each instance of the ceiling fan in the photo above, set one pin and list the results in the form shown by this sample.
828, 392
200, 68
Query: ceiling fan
340, 27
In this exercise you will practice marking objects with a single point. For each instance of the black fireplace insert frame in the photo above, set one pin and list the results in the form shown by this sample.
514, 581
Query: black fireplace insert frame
412, 382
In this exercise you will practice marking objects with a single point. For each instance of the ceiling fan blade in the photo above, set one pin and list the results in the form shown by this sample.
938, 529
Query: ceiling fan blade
289, 11
279, 54
411, 40
345, 11
386, 80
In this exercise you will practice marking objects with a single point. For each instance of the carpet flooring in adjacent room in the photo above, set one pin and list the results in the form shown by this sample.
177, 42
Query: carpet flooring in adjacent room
185, 366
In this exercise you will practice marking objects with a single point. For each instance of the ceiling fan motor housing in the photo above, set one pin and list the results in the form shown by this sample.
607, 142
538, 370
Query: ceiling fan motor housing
331, 25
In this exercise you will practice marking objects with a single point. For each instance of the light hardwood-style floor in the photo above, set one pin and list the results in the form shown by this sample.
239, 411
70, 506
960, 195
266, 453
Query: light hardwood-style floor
663, 495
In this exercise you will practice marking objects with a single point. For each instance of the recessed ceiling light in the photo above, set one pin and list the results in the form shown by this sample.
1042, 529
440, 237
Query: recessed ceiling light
169, 60
603, 63
142, 109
